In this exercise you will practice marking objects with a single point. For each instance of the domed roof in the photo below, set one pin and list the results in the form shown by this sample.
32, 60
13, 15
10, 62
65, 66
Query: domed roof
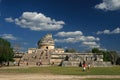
46, 41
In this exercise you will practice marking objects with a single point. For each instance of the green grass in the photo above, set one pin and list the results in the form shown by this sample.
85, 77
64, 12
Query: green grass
64, 70
92, 71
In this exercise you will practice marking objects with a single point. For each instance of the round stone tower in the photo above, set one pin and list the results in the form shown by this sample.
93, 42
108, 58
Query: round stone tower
46, 42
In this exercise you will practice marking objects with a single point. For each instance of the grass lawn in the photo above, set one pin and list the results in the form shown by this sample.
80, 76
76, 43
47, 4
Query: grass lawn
64, 70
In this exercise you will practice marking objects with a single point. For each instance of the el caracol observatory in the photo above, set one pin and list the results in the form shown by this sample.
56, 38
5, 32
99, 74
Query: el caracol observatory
46, 42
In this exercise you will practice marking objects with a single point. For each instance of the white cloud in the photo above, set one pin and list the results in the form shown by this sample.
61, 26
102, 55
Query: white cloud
91, 44
89, 38
71, 37
115, 31
67, 40
9, 19
110, 5
77, 39
76, 36
69, 34
8, 36
36, 21
104, 32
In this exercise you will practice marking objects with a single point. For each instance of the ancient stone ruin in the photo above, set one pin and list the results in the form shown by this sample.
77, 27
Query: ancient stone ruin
47, 54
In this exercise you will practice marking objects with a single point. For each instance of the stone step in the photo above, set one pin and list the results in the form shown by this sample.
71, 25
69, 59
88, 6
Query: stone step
101, 64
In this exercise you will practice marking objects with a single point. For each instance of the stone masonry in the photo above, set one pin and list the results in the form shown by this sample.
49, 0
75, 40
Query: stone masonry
47, 54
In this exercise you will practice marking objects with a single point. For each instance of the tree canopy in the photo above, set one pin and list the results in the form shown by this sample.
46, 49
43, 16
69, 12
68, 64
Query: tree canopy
6, 52
107, 55
71, 50
96, 50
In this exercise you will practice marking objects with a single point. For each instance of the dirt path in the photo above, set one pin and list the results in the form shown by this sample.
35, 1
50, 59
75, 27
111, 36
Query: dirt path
51, 77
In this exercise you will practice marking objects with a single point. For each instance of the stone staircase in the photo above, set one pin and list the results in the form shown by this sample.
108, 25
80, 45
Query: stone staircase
34, 58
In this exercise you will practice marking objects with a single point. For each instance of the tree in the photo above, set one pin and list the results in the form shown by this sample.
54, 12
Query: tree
6, 52
118, 61
71, 50
114, 56
96, 50
107, 55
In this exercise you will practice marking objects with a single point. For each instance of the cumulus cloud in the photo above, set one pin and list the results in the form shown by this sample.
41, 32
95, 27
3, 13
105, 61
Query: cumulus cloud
36, 21
69, 34
109, 5
77, 39
8, 36
115, 31
9, 19
89, 38
67, 40
91, 44
77, 36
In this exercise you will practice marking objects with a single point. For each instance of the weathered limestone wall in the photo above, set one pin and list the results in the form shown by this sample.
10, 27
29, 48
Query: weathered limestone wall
74, 59
101, 64
55, 61
31, 50
47, 47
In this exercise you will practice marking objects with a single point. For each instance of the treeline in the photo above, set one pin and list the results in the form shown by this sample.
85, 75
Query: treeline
6, 52
112, 56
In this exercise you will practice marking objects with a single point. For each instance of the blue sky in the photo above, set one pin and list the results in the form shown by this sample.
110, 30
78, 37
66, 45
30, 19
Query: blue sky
79, 24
